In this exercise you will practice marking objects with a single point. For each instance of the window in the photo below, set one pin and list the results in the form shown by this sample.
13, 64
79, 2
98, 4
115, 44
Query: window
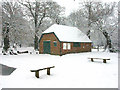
64, 46
55, 44
76, 44
87, 45
83, 45
69, 46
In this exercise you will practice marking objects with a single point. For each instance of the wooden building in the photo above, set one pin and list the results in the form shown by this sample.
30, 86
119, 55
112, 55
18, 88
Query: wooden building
61, 39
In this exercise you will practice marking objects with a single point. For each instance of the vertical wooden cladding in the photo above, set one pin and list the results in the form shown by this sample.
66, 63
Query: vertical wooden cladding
52, 38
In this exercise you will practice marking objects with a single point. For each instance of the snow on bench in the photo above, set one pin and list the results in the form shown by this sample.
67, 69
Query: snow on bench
99, 58
37, 71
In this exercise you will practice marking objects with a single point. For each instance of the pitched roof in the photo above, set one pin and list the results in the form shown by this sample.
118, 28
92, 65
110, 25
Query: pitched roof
67, 33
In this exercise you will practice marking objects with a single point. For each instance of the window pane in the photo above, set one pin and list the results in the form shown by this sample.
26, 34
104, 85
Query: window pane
83, 45
55, 44
69, 46
64, 45
76, 44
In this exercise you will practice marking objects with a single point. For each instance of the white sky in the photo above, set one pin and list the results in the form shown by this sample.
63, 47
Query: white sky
72, 5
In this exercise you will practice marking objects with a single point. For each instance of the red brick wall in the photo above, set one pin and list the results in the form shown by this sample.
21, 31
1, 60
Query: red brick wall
87, 48
56, 50
50, 37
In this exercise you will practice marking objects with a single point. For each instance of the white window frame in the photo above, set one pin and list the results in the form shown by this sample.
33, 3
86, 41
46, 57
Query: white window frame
64, 46
68, 46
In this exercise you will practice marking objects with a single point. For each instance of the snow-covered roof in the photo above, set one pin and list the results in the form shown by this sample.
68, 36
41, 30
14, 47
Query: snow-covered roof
67, 33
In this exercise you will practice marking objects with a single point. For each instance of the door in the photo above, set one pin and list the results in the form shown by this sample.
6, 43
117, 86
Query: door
46, 47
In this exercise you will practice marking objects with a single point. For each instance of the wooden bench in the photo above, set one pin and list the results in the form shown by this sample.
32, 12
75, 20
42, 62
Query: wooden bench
37, 71
104, 59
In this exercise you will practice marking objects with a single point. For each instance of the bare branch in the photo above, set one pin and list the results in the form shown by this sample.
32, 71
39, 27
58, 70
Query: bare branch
28, 6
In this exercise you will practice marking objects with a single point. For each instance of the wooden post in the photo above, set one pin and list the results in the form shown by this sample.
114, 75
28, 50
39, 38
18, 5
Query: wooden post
104, 60
92, 59
37, 74
48, 71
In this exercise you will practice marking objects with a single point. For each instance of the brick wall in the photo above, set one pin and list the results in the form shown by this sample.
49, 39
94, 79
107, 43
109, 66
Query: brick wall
50, 37
84, 47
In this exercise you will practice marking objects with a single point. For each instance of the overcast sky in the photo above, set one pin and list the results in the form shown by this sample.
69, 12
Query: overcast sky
72, 5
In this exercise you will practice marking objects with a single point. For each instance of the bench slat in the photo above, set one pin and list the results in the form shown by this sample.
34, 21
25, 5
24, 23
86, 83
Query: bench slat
104, 59
37, 71
41, 69
100, 58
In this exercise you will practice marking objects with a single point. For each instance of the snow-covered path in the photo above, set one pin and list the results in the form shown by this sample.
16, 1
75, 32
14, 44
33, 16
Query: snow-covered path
71, 71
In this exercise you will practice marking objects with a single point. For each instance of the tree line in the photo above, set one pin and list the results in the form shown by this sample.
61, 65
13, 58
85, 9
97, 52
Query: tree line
24, 21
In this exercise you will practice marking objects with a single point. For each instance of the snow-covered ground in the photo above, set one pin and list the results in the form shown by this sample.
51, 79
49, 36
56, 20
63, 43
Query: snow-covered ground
71, 71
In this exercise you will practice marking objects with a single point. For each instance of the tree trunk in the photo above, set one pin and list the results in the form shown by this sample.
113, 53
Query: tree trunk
89, 18
88, 33
6, 43
36, 42
98, 47
6, 38
108, 41
36, 38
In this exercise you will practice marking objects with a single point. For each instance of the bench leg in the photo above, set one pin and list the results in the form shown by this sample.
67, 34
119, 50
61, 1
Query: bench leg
104, 60
37, 74
48, 71
92, 59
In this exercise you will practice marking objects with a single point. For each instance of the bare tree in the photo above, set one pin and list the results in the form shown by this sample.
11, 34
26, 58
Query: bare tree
94, 19
20, 30
98, 13
88, 6
39, 10
100, 16
119, 25
0, 24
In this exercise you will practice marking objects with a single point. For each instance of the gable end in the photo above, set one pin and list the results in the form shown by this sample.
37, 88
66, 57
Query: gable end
49, 33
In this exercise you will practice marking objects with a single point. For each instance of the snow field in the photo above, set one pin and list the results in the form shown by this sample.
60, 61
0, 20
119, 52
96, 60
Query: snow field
71, 71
